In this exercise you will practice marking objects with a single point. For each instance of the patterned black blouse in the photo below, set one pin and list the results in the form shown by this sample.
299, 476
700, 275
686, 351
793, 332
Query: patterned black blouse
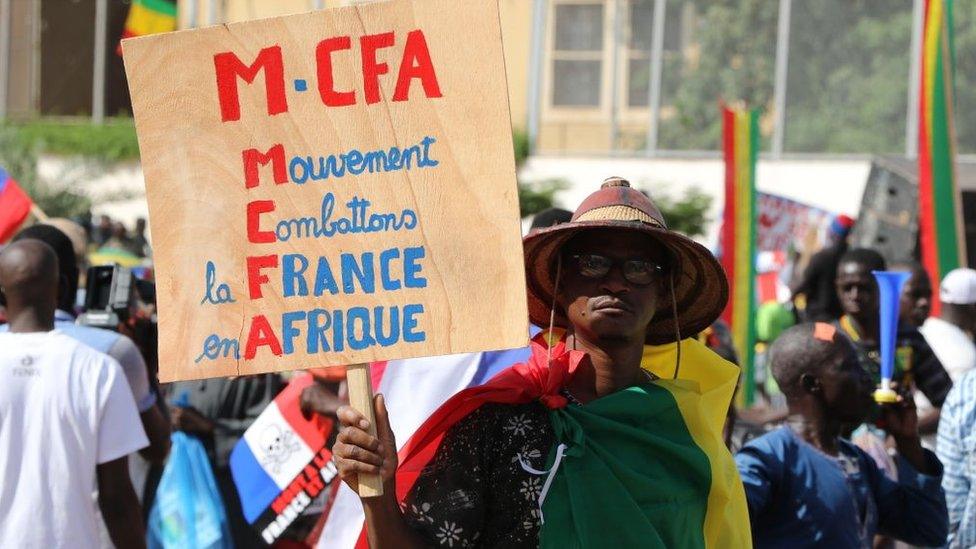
476, 492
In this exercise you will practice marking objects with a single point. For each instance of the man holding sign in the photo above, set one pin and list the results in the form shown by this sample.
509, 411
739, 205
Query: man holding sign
307, 179
599, 439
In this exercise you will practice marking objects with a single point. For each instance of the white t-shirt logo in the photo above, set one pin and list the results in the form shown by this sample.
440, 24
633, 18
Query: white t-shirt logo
26, 368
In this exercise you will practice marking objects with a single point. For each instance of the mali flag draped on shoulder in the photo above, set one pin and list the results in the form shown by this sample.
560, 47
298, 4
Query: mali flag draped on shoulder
940, 216
669, 482
740, 145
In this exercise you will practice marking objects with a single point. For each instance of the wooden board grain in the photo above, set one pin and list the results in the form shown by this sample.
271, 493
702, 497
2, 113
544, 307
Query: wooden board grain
369, 148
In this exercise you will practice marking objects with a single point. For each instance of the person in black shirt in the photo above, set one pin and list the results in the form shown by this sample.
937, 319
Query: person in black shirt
915, 363
817, 282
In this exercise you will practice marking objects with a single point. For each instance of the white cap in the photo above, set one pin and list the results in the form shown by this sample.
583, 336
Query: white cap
959, 287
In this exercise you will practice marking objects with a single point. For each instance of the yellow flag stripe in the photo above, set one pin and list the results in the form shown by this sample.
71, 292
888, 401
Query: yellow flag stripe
142, 21
933, 34
743, 221
703, 393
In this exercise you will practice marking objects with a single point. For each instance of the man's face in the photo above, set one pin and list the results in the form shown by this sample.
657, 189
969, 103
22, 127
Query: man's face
968, 317
610, 306
916, 299
847, 387
857, 290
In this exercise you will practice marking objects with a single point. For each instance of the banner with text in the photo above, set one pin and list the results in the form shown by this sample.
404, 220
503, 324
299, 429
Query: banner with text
784, 223
330, 188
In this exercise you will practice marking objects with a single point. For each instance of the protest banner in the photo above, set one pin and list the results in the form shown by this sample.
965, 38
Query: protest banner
282, 462
783, 222
330, 188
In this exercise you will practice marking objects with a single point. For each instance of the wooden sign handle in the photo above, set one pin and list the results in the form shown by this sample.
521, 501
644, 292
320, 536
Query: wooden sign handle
361, 399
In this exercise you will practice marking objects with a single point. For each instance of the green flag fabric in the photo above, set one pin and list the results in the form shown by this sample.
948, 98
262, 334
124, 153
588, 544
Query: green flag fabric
629, 459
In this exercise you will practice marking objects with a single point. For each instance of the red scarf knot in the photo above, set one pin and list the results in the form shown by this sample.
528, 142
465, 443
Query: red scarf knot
554, 401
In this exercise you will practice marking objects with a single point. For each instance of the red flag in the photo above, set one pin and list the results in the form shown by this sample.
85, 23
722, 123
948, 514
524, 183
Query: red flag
15, 206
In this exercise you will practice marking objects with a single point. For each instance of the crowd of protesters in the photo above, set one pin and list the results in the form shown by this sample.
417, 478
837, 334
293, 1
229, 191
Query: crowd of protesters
85, 426
109, 233
836, 468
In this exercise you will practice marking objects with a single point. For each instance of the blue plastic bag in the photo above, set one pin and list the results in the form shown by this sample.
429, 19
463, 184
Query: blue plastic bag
188, 512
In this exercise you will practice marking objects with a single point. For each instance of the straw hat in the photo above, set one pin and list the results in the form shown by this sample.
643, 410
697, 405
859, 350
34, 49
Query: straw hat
700, 289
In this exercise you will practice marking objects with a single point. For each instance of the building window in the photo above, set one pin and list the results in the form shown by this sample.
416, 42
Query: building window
577, 54
640, 20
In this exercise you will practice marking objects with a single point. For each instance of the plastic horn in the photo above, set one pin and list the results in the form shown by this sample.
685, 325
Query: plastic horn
890, 284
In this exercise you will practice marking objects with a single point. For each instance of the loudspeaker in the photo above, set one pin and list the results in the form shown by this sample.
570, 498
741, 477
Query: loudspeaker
888, 220
969, 224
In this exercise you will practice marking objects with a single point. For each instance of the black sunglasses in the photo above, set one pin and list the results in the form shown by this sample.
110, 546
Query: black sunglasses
636, 271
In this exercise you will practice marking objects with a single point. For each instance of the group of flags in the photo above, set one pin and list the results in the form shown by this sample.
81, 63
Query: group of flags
940, 216
282, 462
283, 453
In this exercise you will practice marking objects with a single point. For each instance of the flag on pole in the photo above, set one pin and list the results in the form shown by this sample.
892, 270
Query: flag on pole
15, 206
940, 216
413, 388
282, 463
149, 17
740, 140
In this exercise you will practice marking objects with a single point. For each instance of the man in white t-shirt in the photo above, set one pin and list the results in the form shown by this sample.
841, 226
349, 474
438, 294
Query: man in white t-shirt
950, 335
114, 344
67, 421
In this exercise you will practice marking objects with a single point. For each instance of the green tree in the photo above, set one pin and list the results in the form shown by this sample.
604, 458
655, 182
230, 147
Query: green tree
687, 214
732, 61
964, 14
520, 140
847, 79
848, 76
539, 195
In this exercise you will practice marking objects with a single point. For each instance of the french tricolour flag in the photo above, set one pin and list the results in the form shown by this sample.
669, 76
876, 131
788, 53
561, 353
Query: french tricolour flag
414, 389
15, 205
282, 463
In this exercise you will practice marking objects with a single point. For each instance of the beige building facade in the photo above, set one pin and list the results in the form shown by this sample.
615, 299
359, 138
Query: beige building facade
582, 74
584, 80
579, 72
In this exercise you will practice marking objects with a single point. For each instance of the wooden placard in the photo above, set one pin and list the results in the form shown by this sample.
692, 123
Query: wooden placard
330, 188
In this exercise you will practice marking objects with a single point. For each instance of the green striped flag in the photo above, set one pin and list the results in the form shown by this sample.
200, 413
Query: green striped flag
940, 216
